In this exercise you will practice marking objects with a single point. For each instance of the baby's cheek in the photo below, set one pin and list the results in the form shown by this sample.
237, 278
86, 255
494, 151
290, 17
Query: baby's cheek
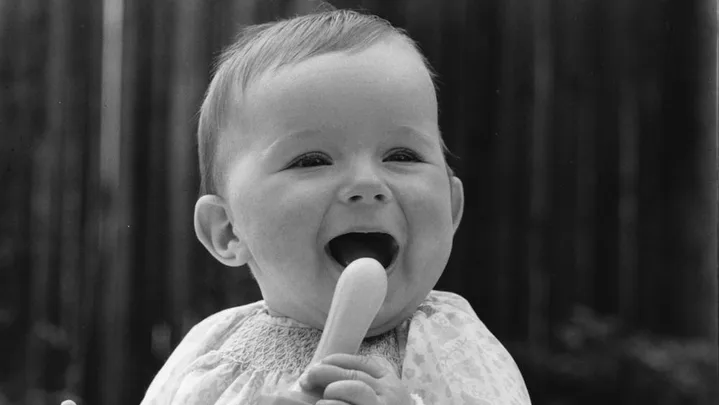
288, 207
429, 207
430, 224
299, 214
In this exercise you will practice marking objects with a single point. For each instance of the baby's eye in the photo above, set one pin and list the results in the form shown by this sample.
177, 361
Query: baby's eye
311, 159
403, 155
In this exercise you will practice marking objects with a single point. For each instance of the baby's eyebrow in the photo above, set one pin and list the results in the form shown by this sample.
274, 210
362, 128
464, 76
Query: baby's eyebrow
303, 133
421, 136
400, 131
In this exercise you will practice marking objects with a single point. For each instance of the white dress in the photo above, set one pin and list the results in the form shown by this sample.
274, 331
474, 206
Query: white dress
443, 354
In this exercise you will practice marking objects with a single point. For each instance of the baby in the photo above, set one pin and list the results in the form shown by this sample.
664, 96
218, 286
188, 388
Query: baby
319, 144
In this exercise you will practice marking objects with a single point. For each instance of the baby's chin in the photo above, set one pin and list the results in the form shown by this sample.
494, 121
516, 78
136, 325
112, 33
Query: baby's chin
383, 328
387, 320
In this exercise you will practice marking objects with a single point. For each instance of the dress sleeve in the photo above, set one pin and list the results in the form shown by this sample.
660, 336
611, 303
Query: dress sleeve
198, 346
452, 358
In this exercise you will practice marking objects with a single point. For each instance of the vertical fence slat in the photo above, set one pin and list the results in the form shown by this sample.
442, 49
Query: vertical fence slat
560, 244
538, 155
694, 162
708, 102
74, 122
186, 89
155, 214
34, 90
15, 176
651, 204
586, 191
115, 188
586, 176
627, 237
90, 295
513, 74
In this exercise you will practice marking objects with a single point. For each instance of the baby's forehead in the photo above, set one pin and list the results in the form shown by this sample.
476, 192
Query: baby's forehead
382, 73
251, 75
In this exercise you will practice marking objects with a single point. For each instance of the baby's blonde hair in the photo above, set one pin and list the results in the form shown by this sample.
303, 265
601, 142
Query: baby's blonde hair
264, 47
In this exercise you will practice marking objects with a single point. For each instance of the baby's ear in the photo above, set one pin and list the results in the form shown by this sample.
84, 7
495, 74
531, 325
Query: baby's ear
215, 231
457, 195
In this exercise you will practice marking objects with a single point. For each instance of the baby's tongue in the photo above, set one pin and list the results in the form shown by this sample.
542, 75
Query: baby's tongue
350, 247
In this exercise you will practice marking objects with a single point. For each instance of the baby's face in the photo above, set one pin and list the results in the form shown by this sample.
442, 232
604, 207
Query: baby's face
338, 144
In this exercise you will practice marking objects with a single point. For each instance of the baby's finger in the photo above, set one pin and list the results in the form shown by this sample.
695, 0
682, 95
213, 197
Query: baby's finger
351, 391
322, 375
354, 362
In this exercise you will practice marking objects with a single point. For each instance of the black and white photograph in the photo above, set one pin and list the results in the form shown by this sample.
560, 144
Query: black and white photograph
359, 202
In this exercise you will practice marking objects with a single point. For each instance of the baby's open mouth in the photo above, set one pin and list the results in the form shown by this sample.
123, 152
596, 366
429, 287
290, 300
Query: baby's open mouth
351, 246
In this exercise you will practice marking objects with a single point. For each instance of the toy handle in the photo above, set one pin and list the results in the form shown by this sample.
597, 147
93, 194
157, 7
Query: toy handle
358, 297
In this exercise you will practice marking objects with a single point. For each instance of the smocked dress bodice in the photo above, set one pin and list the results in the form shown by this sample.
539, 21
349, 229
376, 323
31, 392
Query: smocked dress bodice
443, 354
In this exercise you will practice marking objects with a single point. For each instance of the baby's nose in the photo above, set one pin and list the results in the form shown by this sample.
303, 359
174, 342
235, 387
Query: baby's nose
367, 194
365, 187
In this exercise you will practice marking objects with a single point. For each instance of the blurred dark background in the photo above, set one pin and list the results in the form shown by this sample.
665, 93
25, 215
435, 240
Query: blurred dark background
584, 132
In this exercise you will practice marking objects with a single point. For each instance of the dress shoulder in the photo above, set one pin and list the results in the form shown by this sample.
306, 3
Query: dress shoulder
452, 357
204, 338
449, 300
212, 331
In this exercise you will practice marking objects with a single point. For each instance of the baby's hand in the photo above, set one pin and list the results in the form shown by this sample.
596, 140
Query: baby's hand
355, 380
